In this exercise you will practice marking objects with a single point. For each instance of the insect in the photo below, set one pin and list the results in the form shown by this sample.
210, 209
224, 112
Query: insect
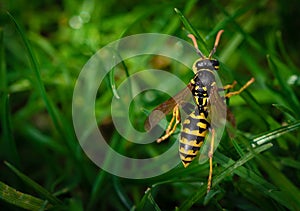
208, 101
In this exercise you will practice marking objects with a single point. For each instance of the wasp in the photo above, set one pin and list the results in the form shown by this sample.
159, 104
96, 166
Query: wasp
207, 99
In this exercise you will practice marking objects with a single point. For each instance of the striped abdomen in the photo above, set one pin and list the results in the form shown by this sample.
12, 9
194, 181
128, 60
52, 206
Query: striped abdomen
193, 132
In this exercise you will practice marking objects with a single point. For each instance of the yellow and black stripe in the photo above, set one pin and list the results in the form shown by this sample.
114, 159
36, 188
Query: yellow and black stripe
205, 93
194, 130
196, 125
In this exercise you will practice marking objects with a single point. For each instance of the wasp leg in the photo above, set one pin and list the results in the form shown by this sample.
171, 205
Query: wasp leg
230, 94
210, 155
230, 86
171, 129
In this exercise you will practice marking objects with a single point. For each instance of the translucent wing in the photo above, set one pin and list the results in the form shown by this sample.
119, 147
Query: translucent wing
217, 118
217, 107
166, 107
221, 112
231, 119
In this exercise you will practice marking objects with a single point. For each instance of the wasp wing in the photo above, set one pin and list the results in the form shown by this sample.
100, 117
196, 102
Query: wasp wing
222, 112
166, 107
230, 128
217, 117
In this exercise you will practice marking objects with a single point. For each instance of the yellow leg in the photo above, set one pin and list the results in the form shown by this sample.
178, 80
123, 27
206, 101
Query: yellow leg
230, 86
211, 151
230, 94
171, 129
210, 155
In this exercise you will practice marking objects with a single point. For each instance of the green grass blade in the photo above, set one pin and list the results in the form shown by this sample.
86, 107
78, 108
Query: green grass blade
36, 70
238, 28
187, 24
230, 18
248, 156
141, 204
112, 81
290, 162
3, 81
286, 89
8, 142
153, 203
218, 178
41, 139
270, 135
191, 29
148, 201
45, 193
237, 147
122, 193
113, 84
288, 113
96, 190
20, 199
291, 192
60, 124
284, 53
174, 25
257, 181
103, 176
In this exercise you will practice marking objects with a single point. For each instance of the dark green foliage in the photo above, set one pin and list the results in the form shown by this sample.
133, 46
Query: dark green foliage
45, 44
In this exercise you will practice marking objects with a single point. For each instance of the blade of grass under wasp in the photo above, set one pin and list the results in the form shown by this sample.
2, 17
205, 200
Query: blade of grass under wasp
235, 166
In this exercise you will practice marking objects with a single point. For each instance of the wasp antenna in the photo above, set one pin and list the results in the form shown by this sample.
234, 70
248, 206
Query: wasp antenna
216, 43
196, 45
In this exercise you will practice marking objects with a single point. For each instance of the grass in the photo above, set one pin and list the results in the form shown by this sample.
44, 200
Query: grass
41, 55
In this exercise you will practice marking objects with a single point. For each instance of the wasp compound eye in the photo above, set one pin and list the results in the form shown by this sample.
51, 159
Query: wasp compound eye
215, 64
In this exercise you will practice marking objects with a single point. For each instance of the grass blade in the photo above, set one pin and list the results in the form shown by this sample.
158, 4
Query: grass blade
287, 112
146, 201
286, 89
122, 193
36, 70
45, 193
290, 192
239, 29
218, 178
60, 124
270, 135
20, 199
102, 177
8, 142
284, 53
3, 81
191, 29
256, 181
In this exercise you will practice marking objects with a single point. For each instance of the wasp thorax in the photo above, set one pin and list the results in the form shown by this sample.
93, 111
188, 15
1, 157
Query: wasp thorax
205, 78
211, 64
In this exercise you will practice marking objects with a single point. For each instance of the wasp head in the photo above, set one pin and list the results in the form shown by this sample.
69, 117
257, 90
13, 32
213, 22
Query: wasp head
202, 64
206, 63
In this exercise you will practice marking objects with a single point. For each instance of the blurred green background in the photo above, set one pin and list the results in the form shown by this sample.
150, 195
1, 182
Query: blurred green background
41, 163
